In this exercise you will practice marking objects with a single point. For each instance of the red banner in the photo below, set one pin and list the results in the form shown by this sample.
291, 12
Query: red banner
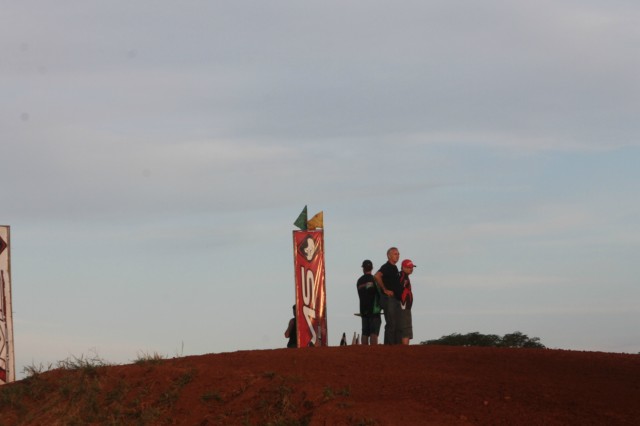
311, 303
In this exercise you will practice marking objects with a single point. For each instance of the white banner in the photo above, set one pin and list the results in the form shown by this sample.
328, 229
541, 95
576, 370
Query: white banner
7, 359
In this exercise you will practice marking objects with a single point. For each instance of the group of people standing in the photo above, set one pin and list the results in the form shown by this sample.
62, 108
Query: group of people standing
387, 291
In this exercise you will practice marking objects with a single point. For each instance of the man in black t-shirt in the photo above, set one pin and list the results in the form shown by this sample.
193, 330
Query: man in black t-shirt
369, 305
388, 279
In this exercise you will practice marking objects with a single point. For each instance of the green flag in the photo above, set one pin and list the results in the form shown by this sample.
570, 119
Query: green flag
301, 221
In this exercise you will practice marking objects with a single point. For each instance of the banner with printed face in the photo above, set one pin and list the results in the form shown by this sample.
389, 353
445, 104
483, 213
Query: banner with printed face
7, 364
311, 303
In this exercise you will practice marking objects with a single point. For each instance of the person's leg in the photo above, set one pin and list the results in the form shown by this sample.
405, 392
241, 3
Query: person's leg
391, 321
407, 327
400, 324
409, 334
366, 330
375, 329
384, 303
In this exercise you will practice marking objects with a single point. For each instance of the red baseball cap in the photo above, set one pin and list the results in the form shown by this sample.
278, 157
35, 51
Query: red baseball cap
407, 263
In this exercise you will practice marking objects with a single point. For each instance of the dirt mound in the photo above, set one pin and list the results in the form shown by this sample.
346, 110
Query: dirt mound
353, 385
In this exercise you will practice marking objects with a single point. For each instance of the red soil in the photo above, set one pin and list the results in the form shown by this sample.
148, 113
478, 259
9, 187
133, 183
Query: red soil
355, 385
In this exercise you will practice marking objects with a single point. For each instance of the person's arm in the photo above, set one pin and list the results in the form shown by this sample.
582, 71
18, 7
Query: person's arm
287, 333
378, 278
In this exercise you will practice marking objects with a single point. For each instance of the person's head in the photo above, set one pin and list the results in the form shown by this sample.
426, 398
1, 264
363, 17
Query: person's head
367, 266
393, 255
407, 266
294, 310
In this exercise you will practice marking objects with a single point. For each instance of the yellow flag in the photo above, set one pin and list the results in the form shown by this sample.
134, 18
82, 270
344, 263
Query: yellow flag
316, 222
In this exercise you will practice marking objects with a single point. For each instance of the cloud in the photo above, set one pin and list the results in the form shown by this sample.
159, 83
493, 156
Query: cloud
494, 281
546, 220
512, 75
539, 311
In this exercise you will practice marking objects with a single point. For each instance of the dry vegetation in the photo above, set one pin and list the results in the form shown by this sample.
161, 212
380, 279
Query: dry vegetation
352, 385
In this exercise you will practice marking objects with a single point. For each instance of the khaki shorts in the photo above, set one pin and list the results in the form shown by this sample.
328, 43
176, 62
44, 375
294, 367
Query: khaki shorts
405, 324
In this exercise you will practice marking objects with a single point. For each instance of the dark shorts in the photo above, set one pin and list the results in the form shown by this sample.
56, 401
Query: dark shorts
371, 325
405, 324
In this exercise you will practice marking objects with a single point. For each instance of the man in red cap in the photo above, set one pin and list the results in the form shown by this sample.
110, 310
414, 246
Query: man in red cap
405, 323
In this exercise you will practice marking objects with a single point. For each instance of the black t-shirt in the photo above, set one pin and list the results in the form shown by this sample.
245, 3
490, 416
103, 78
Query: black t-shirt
293, 334
367, 292
391, 279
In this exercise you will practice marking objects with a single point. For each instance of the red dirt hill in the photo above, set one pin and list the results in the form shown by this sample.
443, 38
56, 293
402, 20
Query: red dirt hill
353, 385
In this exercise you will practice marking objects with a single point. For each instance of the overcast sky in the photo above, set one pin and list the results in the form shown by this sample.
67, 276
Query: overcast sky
156, 153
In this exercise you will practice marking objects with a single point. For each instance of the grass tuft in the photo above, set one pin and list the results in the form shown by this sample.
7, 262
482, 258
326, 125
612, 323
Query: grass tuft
149, 358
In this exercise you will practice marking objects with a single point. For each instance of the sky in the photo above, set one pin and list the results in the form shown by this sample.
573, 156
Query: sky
155, 154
